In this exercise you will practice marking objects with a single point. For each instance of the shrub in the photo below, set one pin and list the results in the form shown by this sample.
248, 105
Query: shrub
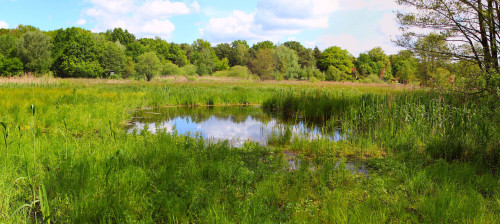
313, 80
171, 69
10, 66
333, 74
189, 69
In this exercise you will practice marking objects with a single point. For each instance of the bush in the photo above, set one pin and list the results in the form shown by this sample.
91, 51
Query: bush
371, 79
114, 76
189, 69
237, 71
10, 66
313, 80
333, 74
240, 71
171, 69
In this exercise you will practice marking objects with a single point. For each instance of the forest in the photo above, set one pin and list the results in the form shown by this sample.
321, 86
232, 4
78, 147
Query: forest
78, 53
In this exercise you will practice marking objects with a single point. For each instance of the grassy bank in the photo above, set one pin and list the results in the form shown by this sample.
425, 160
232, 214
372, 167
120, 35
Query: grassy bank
65, 157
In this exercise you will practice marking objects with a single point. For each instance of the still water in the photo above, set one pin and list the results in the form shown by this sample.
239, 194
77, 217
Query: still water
237, 124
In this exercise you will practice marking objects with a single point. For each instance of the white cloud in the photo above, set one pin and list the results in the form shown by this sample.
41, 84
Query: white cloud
4, 25
382, 35
240, 25
272, 20
81, 22
285, 14
143, 18
368, 5
388, 25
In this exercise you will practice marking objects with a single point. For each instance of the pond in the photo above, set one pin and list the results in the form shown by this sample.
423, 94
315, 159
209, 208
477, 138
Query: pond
237, 124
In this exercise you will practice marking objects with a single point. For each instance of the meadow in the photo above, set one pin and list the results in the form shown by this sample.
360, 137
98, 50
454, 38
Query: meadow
65, 156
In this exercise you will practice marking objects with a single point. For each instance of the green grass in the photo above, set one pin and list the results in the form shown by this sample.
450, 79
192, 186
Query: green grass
432, 159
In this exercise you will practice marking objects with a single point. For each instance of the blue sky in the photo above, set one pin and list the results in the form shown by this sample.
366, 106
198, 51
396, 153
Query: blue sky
356, 25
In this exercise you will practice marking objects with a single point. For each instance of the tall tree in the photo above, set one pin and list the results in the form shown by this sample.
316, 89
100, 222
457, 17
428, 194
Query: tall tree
264, 63
34, 51
380, 62
113, 57
148, 65
118, 34
335, 56
240, 53
469, 26
76, 54
287, 62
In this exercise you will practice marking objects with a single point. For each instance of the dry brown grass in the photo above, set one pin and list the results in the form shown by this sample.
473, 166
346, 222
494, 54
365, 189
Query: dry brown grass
30, 79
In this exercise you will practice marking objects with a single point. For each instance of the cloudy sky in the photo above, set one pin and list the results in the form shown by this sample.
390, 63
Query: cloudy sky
356, 25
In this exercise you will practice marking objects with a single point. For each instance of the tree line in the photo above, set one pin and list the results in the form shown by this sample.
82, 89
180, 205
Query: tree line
79, 53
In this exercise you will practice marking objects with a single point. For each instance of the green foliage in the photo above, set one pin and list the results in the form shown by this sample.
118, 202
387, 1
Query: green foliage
76, 54
263, 45
404, 66
170, 68
118, 34
222, 65
205, 63
223, 50
430, 157
379, 62
113, 58
10, 66
371, 79
430, 50
237, 71
287, 62
305, 56
364, 65
240, 53
8, 45
148, 65
335, 56
264, 63
333, 74
189, 70
34, 51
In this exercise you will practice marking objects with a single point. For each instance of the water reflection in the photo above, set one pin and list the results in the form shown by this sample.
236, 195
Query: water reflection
236, 124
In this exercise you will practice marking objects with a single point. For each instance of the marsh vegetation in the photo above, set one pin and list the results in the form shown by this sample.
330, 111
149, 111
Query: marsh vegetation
66, 156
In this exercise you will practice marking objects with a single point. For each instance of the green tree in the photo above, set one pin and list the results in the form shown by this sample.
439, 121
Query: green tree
223, 65
240, 53
10, 66
76, 54
380, 63
305, 56
335, 56
223, 50
264, 63
135, 49
364, 65
161, 47
189, 52
113, 58
333, 74
205, 62
469, 27
8, 45
404, 66
149, 65
34, 50
263, 45
118, 34
429, 50
287, 62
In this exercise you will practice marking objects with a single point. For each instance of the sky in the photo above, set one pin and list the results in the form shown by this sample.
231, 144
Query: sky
355, 25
